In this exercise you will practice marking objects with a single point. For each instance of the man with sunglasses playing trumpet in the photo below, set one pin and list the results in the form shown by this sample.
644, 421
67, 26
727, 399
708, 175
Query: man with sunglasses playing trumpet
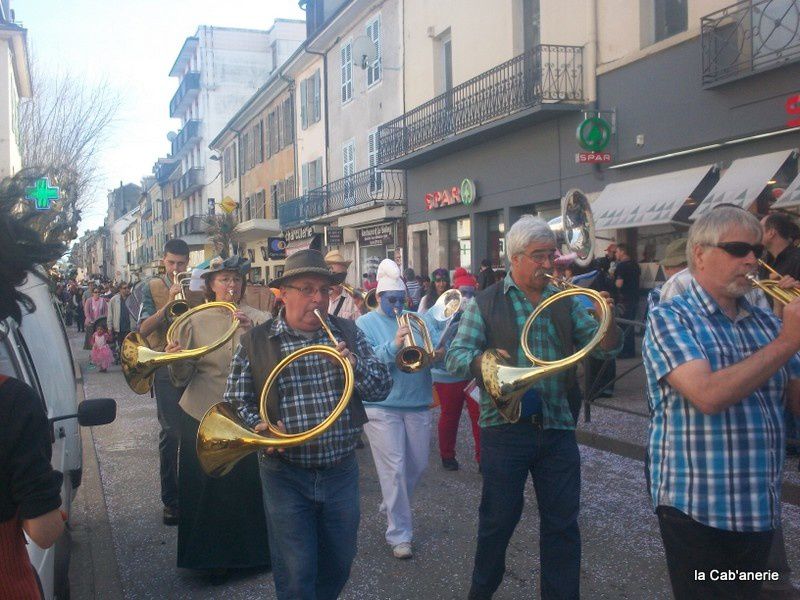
718, 370
311, 496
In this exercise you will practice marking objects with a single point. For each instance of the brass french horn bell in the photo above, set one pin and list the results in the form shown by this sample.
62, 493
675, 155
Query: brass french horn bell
506, 384
139, 362
223, 439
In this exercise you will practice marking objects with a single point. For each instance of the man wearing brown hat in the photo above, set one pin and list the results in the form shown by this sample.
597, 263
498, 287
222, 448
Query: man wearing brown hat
674, 262
310, 491
340, 303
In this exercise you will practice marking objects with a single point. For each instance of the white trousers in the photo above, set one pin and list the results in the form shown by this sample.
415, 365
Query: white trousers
400, 442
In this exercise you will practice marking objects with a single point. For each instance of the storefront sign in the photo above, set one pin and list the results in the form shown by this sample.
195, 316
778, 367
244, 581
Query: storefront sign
378, 235
334, 236
464, 194
299, 233
593, 134
276, 248
793, 110
592, 157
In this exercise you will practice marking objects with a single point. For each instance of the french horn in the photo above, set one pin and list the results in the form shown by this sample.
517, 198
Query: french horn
139, 362
223, 439
505, 383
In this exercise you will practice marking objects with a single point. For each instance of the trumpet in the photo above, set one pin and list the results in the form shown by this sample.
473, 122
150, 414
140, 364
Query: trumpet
412, 358
179, 305
770, 286
223, 439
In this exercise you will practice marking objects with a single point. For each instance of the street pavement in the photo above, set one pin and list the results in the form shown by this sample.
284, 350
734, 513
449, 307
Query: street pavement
122, 550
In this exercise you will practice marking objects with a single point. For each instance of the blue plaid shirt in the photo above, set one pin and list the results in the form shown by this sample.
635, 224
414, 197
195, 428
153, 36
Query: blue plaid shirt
308, 391
722, 470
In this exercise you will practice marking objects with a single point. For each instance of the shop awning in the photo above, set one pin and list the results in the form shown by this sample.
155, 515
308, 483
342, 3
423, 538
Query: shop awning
791, 195
744, 181
652, 200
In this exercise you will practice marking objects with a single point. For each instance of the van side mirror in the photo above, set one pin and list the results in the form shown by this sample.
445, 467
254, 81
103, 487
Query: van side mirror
97, 411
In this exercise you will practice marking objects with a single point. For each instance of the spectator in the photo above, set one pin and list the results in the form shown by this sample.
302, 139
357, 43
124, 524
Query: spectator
486, 276
413, 288
626, 280
780, 236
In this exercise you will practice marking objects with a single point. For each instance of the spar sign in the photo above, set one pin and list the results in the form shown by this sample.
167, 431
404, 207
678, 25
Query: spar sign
458, 194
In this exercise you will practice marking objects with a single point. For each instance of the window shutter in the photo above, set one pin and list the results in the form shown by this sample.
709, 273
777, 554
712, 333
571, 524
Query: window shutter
304, 183
316, 96
303, 102
288, 121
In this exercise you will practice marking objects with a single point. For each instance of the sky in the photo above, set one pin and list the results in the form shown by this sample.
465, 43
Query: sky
131, 45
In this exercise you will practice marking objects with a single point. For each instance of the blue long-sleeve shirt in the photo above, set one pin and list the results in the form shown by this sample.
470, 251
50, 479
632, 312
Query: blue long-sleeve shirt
410, 391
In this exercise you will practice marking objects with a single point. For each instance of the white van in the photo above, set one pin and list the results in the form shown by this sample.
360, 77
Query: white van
38, 353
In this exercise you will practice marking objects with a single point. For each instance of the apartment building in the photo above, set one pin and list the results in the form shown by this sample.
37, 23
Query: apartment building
218, 70
15, 84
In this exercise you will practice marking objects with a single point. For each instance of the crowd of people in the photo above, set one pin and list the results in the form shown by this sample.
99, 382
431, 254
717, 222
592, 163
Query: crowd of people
723, 385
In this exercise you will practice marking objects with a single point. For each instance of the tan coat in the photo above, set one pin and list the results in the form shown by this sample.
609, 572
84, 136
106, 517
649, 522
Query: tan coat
206, 376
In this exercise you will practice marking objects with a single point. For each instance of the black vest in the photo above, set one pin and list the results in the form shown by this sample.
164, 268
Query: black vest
264, 353
501, 331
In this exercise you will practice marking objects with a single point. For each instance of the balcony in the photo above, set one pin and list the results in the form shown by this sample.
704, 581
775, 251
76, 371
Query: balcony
191, 226
163, 169
186, 136
253, 222
359, 191
190, 181
187, 92
546, 77
748, 37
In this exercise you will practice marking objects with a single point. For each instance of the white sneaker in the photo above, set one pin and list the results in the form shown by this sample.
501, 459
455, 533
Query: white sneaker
402, 550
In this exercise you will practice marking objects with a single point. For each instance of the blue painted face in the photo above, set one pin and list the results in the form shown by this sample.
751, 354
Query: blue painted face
391, 300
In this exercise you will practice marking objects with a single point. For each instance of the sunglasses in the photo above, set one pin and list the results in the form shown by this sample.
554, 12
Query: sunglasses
741, 249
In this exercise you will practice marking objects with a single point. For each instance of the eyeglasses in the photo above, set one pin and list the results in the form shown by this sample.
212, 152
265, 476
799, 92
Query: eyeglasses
741, 249
541, 256
310, 292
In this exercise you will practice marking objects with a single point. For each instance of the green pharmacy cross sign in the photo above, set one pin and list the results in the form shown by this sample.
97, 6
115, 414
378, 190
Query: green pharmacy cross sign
42, 194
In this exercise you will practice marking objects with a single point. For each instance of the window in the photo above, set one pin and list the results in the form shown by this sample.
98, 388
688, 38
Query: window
375, 176
347, 72
289, 190
671, 17
374, 34
310, 100
273, 198
348, 168
261, 206
244, 151
312, 175
274, 142
279, 125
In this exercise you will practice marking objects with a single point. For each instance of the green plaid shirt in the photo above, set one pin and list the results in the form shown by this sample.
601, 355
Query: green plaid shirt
544, 342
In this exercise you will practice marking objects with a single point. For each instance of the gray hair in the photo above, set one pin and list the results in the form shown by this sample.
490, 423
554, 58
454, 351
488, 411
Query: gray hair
527, 229
708, 229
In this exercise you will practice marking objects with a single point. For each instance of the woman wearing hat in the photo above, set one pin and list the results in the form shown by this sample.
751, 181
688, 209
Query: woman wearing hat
399, 429
205, 540
340, 303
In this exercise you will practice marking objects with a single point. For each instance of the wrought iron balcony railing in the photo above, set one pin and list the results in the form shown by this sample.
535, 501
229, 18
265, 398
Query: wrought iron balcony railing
188, 134
354, 192
749, 37
544, 74
190, 226
188, 182
187, 91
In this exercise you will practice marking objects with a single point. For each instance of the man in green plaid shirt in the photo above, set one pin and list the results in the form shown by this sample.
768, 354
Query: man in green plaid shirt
542, 441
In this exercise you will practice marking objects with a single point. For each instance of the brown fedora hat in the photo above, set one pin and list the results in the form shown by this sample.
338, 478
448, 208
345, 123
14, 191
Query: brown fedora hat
307, 262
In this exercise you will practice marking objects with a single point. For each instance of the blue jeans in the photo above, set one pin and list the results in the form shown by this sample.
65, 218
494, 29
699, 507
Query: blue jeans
508, 453
312, 521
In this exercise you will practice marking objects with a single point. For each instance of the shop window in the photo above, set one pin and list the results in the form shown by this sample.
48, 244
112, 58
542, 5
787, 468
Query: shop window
496, 240
459, 244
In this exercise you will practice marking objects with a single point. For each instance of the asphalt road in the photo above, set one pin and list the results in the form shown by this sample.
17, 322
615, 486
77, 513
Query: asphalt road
121, 549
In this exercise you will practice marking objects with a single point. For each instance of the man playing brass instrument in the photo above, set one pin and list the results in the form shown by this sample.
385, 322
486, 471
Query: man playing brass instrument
153, 325
310, 491
718, 370
542, 441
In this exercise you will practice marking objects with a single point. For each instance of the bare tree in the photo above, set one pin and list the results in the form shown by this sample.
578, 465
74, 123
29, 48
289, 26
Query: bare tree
62, 130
